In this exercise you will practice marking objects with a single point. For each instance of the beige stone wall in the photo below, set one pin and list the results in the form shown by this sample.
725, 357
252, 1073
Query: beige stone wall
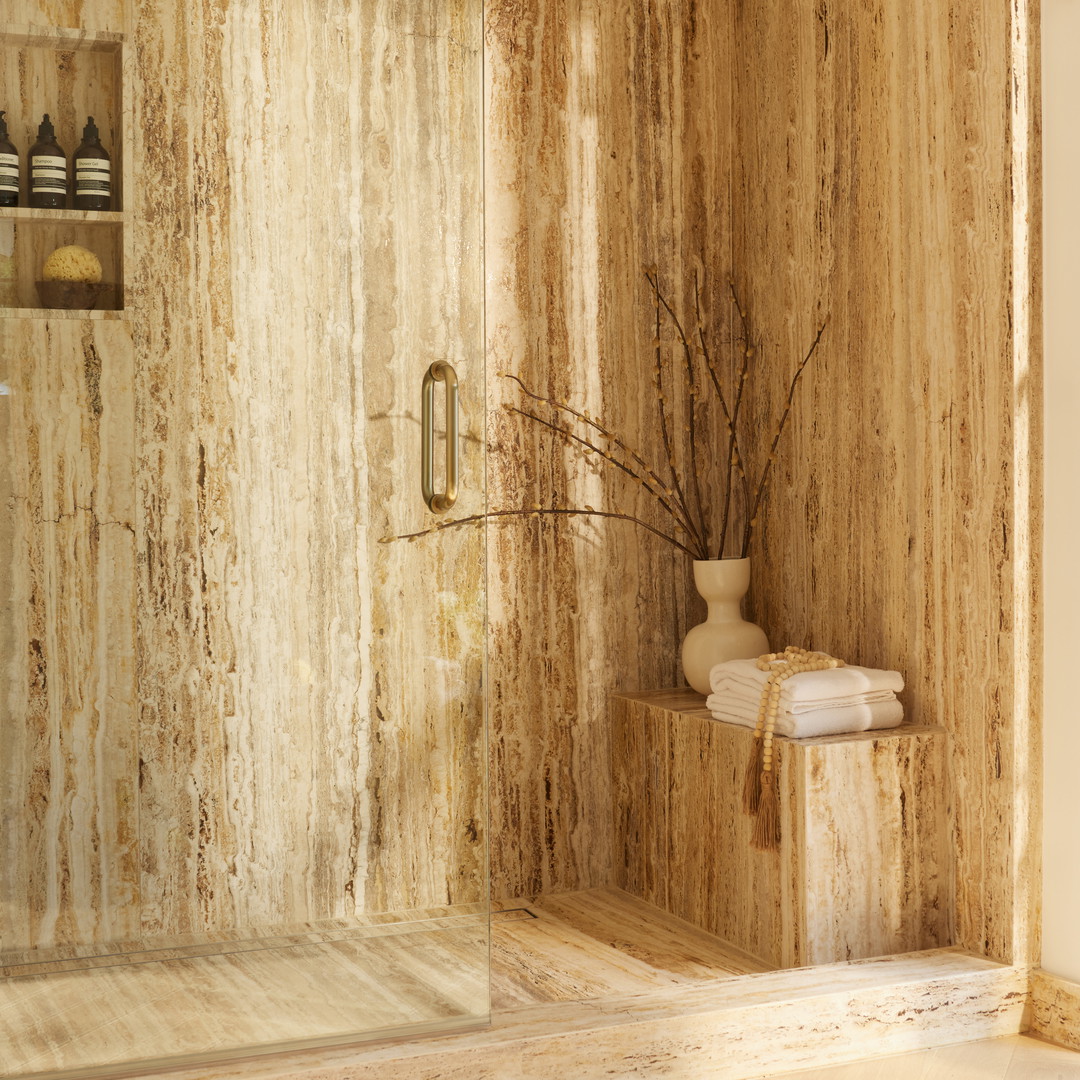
68, 739
879, 151
326, 193
853, 161
606, 154
233, 706
1061, 843
865, 161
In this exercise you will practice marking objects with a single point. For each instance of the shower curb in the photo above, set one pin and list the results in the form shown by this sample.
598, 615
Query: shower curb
730, 1029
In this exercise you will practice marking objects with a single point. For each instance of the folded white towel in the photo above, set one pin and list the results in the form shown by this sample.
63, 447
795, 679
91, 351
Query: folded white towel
834, 720
751, 697
834, 684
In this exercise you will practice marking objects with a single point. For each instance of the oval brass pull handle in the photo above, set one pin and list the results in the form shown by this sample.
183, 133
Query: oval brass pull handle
442, 372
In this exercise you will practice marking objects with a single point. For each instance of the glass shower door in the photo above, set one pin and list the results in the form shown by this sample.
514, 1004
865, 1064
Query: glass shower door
243, 746
420, 327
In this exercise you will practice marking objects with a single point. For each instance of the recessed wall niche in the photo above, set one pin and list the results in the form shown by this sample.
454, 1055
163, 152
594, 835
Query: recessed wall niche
71, 75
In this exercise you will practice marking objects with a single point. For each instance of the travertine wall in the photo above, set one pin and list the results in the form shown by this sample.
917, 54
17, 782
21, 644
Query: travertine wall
310, 192
873, 155
68, 741
229, 705
853, 160
606, 154
879, 151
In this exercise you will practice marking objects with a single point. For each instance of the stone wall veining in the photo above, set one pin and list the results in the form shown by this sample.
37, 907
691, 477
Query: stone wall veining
89, 14
606, 154
68, 746
837, 160
858, 164
329, 761
875, 183
250, 712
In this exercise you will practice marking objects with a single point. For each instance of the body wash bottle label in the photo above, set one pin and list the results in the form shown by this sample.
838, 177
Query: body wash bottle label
93, 173
92, 176
48, 169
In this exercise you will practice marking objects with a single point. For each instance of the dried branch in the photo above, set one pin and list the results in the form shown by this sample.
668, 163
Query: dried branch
610, 459
751, 516
730, 428
700, 539
688, 353
592, 422
688, 516
735, 464
538, 511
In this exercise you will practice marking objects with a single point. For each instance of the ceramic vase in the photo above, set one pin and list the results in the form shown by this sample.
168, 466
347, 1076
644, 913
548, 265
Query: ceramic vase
725, 634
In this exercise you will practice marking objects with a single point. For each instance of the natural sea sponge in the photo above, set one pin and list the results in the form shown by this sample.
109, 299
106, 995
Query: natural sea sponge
72, 263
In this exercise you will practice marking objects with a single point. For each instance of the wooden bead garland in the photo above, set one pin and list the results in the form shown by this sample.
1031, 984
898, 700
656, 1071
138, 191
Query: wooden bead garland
760, 796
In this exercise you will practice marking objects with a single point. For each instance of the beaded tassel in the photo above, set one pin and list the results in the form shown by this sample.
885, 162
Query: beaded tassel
760, 795
767, 825
751, 794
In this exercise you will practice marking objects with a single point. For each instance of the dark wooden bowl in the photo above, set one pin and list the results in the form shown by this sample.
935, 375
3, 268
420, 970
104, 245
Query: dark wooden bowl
72, 295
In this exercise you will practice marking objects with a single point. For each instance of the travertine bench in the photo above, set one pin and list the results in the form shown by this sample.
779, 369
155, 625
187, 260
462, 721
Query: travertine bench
863, 867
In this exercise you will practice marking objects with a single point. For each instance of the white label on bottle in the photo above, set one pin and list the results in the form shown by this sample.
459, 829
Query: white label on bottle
9, 172
48, 173
92, 176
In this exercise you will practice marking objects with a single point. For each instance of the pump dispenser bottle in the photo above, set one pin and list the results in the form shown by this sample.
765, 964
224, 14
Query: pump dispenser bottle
93, 178
9, 167
48, 169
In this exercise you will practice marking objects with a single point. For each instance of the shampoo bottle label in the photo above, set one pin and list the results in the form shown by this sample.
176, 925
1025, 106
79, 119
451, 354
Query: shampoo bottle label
48, 174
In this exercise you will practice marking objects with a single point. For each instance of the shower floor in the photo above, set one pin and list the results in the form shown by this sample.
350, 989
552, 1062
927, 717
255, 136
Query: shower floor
598, 943
546, 952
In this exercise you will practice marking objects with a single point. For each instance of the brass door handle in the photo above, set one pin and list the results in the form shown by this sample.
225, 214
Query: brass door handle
440, 371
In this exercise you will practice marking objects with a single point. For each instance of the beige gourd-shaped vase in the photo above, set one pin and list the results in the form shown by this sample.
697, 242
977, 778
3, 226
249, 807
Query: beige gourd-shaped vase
725, 634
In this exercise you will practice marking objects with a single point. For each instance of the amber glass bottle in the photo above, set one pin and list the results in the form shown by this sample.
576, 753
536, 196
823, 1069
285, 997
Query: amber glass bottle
9, 167
93, 178
48, 169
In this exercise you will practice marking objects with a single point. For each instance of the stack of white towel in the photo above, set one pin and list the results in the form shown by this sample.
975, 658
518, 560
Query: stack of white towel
812, 703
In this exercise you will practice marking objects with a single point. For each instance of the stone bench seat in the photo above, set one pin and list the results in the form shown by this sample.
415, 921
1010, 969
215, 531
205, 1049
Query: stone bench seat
862, 869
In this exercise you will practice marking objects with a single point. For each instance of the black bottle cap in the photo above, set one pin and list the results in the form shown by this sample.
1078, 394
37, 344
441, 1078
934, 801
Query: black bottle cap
3, 125
45, 128
90, 131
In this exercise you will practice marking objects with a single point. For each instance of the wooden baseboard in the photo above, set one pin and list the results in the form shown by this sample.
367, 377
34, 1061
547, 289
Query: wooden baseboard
1055, 1009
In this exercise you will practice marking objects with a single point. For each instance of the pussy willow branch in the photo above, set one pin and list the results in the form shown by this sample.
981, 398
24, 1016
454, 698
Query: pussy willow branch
699, 540
610, 459
585, 418
735, 465
541, 512
688, 354
751, 516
